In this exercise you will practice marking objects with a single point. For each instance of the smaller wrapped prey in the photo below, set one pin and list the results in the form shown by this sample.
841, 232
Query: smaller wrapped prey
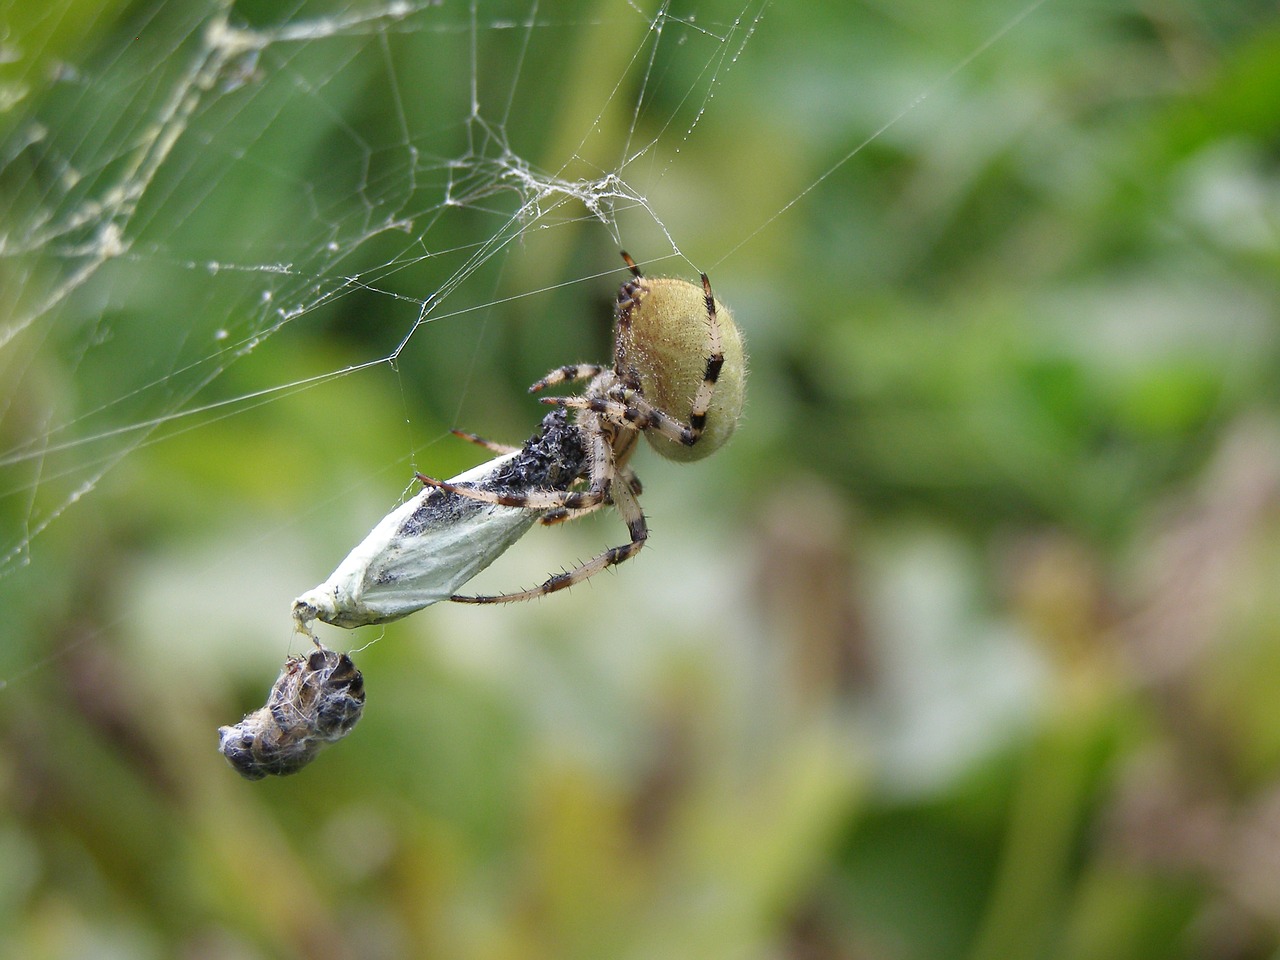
315, 701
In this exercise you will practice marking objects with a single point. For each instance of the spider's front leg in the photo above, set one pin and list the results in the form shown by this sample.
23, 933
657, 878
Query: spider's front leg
480, 441
600, 457
565, 374
529, 500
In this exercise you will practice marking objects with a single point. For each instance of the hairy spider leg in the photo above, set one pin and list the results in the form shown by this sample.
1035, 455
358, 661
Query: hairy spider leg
711, 374
636, 412
629, 507
529, 500
568, 373
480, 441
562, 514
610, 448
601, 461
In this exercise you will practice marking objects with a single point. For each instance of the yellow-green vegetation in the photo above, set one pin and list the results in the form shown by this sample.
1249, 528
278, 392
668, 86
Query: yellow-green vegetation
965, 647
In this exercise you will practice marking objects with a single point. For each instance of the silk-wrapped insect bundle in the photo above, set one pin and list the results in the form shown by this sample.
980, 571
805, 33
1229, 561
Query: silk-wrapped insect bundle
315, 701
428, 547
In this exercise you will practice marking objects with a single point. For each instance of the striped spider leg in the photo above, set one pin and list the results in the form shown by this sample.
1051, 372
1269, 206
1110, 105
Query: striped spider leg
557, 514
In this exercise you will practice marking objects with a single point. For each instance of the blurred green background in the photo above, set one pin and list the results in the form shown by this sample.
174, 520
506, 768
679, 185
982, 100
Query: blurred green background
967, 646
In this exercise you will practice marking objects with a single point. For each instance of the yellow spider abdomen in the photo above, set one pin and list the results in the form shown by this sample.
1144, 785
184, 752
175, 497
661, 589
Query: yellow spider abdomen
664, 343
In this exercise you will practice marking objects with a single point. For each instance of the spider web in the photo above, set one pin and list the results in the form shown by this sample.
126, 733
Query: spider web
438, 161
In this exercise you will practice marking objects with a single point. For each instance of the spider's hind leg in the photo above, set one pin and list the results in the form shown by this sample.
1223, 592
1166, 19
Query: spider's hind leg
563, 514
629, 507
714, 364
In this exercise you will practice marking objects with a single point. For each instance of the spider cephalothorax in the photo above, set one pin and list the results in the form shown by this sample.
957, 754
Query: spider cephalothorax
677, 377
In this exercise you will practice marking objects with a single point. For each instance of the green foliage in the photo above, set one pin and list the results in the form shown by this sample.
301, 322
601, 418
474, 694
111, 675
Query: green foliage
964, 647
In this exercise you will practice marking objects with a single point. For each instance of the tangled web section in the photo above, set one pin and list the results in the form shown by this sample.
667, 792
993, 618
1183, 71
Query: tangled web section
197, 185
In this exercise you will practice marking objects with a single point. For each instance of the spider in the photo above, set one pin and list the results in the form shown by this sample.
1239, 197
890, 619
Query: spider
677, 377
